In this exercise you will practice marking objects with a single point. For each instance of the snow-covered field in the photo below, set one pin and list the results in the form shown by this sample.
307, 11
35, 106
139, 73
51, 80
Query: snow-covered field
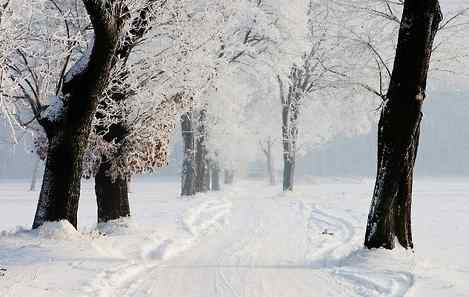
249, 240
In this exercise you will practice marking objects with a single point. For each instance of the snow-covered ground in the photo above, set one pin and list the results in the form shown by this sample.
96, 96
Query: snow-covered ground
249, 240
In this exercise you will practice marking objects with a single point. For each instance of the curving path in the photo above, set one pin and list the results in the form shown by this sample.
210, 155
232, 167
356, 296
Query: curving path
268, 246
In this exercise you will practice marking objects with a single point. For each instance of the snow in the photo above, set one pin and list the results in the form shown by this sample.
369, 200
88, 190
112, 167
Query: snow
249, 240
54, 110
81, 64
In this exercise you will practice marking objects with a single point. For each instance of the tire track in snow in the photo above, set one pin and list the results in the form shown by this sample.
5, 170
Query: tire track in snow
125, 280
257, 262
235, 252
242, 268
341, 253
337, 238
383, 283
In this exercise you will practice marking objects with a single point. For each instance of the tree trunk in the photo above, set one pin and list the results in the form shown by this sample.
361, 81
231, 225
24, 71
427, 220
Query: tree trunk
202, 180
60, 190
287, 176
207, 186
188, 163
288, 172
290, 113
68, 132
229, 177
34, 176
111, 194
270, 163
399, 127
112, 197
215, 176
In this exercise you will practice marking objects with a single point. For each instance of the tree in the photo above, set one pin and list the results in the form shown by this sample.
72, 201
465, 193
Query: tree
188, 163
228, 177
187, 42
295, 49
67, 121
399, 127
303, 80
267, 150
112, 189
11, 38
138, 112
44, 61
308, 76
202, 176
215, 175
241, 39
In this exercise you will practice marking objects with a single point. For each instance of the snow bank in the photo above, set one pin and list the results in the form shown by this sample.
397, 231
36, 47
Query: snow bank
61, 230
122, 226
197, 221
208, 215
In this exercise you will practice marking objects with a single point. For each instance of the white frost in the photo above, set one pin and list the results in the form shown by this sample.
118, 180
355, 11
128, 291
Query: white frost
54, 110
81, 64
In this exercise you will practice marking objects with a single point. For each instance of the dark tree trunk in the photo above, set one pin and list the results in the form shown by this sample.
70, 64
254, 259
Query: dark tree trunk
68, 134
202, 180
229, 177
399, 127
112, 197
290, 115
188, 163
111, 194
287, 176
60, 192
215, 176
288, 172
270, 162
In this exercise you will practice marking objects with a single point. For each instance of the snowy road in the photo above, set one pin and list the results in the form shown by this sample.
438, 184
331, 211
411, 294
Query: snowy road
272, 246
247, 241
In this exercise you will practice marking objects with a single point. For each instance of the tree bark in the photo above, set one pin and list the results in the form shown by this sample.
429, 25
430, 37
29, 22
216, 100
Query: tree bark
288, 172
68, 134
229, 177
202, 180
287, 176
290, 113
215, 176
112, 197
111, 194
399, 127
60, 192
188, 163
270, 163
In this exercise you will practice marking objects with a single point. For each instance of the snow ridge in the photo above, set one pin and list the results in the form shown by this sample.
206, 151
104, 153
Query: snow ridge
196, 222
